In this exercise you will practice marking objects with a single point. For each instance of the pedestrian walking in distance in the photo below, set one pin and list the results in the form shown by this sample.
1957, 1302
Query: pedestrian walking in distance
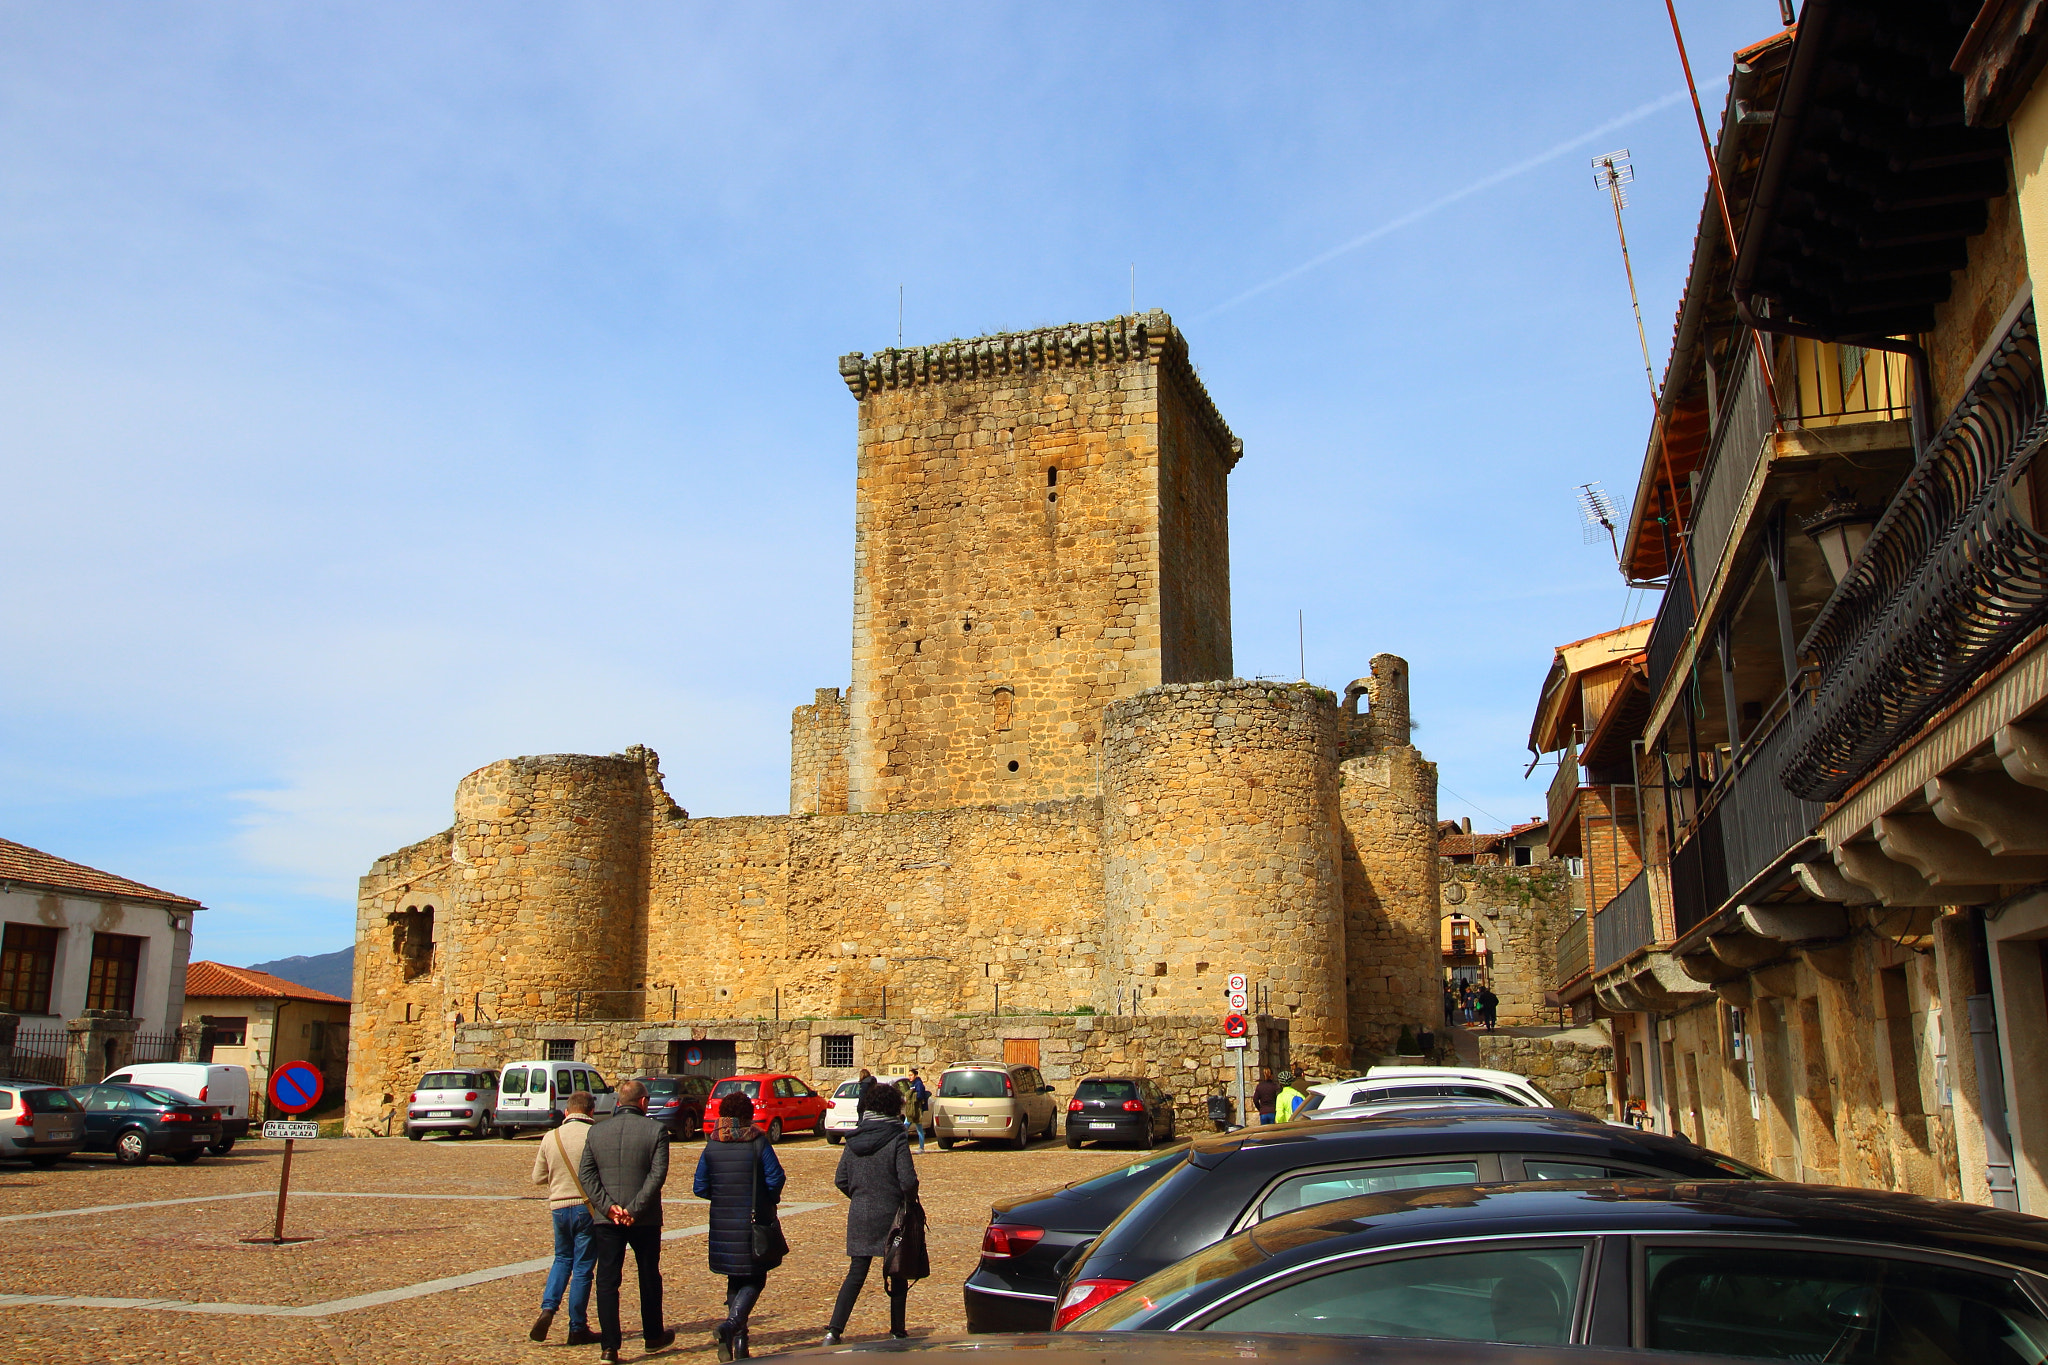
913, 1112
878, 1175
1265, 1094
554, 1166
624, 1165
1489, 1007
741, 1177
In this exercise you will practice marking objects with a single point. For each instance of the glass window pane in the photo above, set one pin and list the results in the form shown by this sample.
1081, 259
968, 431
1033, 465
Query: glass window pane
563, 1084
1849, 1309
1320, 1187
1568, 1170
515, 1081
1524, 1295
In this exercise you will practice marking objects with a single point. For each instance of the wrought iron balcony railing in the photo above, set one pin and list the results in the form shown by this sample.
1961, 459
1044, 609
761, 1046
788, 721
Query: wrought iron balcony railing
1669, 633
1624, 924
1752, 823
1572, 958
1951, 578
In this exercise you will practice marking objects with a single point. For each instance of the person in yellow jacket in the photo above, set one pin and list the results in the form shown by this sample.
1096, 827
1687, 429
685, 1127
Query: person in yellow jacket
1290, 1100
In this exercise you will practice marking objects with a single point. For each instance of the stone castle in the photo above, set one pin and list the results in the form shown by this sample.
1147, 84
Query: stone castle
1044, 807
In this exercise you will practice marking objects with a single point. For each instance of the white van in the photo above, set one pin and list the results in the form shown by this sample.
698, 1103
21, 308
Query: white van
212, 1083
530, 1093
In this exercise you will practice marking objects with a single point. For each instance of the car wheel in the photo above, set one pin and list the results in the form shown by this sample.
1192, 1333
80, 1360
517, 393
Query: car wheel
834, 1139
414, 1134
945, 1144
1074, 1140
774, 1131
44, 1163
132, 1147
818, 1128
186, 1158
1023, 1137
506, 1132
222, 1148
693, 1127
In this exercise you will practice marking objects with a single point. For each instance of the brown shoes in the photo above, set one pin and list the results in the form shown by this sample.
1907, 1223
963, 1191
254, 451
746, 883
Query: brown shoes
541, 1324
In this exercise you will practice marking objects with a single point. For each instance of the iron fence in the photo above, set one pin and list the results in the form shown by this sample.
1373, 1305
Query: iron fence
155, 1047
1951, 579
1624, 924
39, 1055
1572, 958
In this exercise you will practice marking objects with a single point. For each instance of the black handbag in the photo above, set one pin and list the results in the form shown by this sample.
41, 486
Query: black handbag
904, 1254
769, 1245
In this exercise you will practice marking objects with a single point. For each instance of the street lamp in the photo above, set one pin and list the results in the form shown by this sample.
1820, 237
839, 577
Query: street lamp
1840, 529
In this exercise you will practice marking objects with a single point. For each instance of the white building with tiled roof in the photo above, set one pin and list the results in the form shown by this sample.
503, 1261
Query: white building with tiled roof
260, 1021
74, 938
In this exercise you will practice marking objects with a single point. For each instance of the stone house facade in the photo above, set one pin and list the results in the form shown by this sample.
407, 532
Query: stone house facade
1044, 812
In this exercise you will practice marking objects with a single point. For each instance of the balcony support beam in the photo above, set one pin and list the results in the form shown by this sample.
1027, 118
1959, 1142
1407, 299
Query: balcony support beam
1725, 647
1744, 951
1781, 592
1948, 857
1997, 812
1793, 923
1894, 883
1825, 882
2023, 749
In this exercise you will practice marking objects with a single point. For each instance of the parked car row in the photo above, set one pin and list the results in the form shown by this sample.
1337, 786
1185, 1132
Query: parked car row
43, 1124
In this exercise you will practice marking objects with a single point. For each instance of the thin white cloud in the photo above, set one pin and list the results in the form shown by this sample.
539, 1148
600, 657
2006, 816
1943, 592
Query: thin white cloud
1416, 215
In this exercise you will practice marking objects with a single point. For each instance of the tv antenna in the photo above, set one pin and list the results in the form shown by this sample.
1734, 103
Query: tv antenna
1597, 513
1613, 173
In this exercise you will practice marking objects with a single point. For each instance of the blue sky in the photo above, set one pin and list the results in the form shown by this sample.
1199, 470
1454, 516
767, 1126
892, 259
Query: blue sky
391, 389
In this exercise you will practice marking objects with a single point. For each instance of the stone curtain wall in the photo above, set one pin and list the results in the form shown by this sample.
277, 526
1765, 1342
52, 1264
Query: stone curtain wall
1571, 1067
1220, 853
1195, 458
1388, 808
1008, 558
1184, 1054
817, 755
395, 1023
1522, 911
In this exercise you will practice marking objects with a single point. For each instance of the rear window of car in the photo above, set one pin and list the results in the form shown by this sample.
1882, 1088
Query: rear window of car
658, 1085
450, 1080
974, 1085
847, 1090
156, 1096
1106, 1090
1137, 1176
514, 1082
49, 1102
729, 1086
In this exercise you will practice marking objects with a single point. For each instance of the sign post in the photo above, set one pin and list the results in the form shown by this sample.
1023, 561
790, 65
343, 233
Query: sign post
294, 1088
1235, 1030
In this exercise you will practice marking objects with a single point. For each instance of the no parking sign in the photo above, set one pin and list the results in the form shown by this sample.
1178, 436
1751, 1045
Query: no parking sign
693, 1056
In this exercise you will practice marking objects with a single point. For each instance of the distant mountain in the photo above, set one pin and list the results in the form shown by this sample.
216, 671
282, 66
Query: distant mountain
333, 972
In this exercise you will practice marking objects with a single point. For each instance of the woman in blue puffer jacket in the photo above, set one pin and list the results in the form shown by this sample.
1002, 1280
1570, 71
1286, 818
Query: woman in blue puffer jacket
739, 1174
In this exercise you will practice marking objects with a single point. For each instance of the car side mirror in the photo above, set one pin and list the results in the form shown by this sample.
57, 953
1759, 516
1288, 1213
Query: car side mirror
1045, 1090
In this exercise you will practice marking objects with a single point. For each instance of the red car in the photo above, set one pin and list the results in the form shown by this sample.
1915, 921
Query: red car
782, 1103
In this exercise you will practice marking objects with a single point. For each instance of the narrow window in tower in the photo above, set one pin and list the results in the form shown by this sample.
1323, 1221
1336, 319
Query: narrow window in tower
1159, 969
1002, 704
1052, 483
917, 647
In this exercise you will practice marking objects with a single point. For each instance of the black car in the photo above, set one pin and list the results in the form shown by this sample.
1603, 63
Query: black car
1232, 1181
1729, 1268
1197, 1348
1018, 1281
1119, 1109
677, 1103
135, 1122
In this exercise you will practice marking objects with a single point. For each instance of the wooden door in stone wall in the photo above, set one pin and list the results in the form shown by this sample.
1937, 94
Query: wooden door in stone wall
1020, 1052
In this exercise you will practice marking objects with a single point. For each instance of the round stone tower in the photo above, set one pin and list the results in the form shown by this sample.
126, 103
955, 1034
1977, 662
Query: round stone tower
548, 893
1221, 853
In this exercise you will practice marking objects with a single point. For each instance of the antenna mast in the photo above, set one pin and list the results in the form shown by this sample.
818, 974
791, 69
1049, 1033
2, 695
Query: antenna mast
1613, 173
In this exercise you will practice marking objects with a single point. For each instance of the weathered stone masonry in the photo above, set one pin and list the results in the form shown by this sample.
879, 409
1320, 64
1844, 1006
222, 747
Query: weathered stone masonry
1043, 783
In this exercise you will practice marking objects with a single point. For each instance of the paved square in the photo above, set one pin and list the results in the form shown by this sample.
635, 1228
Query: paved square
430, 1251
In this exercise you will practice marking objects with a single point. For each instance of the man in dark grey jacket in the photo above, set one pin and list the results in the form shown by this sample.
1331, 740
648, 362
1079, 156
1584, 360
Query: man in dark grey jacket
625, 1164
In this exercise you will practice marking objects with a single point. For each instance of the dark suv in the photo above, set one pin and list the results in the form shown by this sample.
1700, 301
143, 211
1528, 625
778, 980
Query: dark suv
1235, 1181
677, 1103
1119, 1109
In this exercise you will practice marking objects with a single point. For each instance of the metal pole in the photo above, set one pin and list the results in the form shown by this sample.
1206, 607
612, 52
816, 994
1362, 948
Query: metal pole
1241, 1121
284, 1184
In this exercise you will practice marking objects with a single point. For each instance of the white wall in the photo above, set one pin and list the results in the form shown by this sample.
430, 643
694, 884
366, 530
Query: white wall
159, 976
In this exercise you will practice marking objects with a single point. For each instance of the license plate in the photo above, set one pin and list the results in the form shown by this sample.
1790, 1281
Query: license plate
1102, 1125
58, 1135
971, 1118
442, 1114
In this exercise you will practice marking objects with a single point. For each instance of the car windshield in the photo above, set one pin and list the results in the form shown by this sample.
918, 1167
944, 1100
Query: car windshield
973, 1085
49, 1102
751, 1089
1137, 1177
450, 1080
1106, 1090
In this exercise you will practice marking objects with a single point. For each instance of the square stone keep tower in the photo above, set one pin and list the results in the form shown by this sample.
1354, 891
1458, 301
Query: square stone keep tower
1041, 527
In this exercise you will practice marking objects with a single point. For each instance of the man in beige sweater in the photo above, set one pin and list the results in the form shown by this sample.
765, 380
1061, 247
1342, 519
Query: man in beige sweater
554, 1166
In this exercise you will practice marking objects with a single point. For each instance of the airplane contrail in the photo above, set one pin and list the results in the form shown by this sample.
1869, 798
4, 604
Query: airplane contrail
1415, 215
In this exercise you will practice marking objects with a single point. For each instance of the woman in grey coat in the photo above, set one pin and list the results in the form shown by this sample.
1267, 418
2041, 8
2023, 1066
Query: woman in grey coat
876, 1173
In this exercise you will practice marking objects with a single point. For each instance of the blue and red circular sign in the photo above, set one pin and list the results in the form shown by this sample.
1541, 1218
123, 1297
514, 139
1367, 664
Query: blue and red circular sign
693, 1056
296, 1087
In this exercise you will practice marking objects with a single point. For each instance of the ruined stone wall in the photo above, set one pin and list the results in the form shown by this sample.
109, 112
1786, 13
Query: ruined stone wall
1221, 853
817, 755
1571, 1066
1522, 911
397, 1012
1008, 561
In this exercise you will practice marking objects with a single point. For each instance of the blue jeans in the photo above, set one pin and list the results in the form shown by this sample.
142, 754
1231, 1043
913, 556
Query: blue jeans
916, 1130
575, 1259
